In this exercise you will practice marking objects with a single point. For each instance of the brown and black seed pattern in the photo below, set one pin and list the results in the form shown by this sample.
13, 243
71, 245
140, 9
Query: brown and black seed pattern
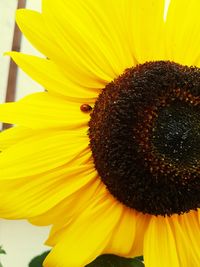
145, 138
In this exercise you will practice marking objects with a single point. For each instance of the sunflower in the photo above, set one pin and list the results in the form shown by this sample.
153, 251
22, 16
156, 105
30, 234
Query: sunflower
109, 153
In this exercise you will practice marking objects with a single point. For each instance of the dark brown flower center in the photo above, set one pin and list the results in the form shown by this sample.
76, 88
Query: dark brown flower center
145, 138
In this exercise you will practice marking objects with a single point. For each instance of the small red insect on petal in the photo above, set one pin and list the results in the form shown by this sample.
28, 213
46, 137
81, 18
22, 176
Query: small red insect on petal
85, 108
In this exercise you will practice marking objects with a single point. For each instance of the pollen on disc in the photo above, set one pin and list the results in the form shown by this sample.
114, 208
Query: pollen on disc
145, 138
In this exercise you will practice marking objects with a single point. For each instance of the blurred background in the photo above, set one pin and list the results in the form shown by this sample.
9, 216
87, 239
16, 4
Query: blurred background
19, 239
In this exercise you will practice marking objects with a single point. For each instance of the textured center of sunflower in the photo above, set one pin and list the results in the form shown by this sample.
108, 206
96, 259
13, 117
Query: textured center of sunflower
177, 133
145, 138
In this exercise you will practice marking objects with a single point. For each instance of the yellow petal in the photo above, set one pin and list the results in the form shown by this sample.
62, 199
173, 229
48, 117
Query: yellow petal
33, 26
14, 135
147, 29
122, 239
37, 31
50, 76
58, 215
159, 244
198, 212
87, 195
142, 223
43, 110
186, 230
92, 228
31, 197
182, 32
92, 35
191, 228
47, 172
40, 153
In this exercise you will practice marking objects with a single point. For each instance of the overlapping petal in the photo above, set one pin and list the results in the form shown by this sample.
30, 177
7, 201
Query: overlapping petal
142, 223
123, 236
91, 242
93, 44
191, 228
182, 32
44, 174
44, 110
41, 152
52, 78
159, 244
186, 230
14, 135
89, 46
147, 30
58, 215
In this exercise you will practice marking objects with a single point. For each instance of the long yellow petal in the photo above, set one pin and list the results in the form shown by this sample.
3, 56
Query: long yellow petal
33, 26
40, 153
92, 35
191, 228
14, 135
51, 77
31, 197
36, 185
159, 244
187, 238
142, 223
43, 110
198, 214
58, 215
147, 29
123, 237
182, 32
89, 194
104, 215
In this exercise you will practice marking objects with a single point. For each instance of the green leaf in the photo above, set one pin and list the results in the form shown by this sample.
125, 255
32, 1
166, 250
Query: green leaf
137, 263
106, 260
2, 251
140, 258
109, 260
37, 261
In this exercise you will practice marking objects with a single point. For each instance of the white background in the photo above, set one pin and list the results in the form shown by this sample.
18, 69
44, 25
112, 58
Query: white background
21, 240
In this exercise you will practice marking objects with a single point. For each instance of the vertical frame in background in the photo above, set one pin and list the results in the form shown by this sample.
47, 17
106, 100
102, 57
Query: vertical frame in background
12, 75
